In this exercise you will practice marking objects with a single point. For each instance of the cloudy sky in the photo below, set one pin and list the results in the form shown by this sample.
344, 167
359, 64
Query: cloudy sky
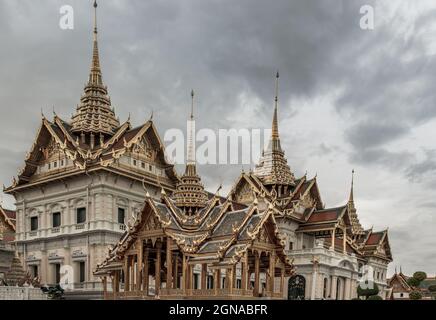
349, 98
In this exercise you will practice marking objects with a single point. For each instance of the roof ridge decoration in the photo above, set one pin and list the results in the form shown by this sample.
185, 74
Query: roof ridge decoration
273, 168
95, 114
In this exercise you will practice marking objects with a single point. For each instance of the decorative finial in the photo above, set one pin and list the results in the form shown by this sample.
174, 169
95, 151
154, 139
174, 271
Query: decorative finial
42, 114
151, 115
191, 135
192, 104
275, 126
95, 16
277, 86
128, 119
351, 199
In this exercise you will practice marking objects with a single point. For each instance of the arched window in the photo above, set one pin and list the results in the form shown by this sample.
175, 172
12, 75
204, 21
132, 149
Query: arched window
325, 291
296, 288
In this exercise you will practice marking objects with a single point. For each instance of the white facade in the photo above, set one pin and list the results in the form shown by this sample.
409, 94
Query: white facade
74, 248
328, 274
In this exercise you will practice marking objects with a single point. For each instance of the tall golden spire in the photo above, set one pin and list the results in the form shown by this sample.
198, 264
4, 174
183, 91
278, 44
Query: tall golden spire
351, 198
95, 74
275, 125
356, 227
273, 168
95, 114
190, 194
190, 152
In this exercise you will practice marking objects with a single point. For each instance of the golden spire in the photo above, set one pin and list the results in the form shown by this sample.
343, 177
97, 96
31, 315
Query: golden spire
191, 135
190, 194
273, 168
351, 199
95, 74
355, 224
95, 113
275, 138
275, 125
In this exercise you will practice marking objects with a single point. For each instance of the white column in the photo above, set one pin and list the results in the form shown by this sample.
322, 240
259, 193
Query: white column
333, 287
314, 278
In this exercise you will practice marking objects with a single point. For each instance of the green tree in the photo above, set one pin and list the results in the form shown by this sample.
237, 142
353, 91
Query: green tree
415, 295
413, 282
420, 276
432, 288
366, 290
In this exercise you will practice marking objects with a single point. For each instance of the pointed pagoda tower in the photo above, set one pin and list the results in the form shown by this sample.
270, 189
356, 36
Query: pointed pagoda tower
190, 194
273, 169
94, 119
355, 224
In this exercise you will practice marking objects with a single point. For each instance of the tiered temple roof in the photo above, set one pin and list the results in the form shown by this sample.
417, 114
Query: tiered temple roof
93, 139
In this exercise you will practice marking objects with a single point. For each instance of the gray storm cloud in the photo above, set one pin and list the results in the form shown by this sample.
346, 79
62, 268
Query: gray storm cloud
154, 52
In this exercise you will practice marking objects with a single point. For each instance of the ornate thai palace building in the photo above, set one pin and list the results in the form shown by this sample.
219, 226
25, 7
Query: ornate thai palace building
271, 228
271, 236
82, 180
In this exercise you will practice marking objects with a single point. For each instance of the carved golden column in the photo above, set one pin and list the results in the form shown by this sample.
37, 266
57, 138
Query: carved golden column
146, 276
176, 271
234, 276
157, 267
244, 274
256, 273
272, 268
126, 273
184, 272
203, 276
217, 280
132, 273
231, 276
139, 265
169, 263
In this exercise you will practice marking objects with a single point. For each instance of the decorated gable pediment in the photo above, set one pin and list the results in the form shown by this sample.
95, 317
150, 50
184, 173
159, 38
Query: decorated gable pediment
244, 193
152, 224
145, 149
52, 151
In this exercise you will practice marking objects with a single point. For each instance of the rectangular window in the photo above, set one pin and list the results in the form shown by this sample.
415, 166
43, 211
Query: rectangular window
82, 271
150, 168
134, 163
238, 283
57, 269
210, 282
49, 166
81, 215
142, 165
56, 219
55, 164
33, 223
291, 245
121, 215
196, 276
62, 163
34, 271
